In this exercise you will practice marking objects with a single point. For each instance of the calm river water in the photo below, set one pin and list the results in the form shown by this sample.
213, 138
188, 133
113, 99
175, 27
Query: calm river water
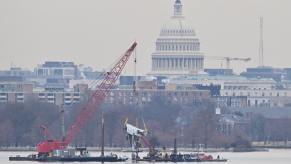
272, 157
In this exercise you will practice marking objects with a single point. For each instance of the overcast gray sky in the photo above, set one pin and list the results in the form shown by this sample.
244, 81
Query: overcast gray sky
96, 32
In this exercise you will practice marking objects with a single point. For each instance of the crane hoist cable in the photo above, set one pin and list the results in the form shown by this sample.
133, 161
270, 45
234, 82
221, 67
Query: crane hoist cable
136, 93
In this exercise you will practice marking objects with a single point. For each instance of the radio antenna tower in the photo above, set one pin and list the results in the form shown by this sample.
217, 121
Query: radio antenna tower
261, 44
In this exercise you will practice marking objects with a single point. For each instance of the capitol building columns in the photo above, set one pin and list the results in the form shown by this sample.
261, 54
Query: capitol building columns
172, 63
177, 47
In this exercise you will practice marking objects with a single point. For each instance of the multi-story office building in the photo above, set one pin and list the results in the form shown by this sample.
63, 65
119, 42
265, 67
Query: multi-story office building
219, 71
59, 98
15, 91
57, 70
264, 72
144, 96
230, 101
237, 91
17, 71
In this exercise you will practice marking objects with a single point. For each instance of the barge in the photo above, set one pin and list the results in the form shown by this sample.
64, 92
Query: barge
69, 159
69, 155
174, 156
196, 157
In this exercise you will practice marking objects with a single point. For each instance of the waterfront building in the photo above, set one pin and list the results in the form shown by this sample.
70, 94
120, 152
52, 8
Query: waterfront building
177, 47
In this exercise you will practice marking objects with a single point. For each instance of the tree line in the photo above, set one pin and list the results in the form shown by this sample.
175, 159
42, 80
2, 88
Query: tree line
20, 124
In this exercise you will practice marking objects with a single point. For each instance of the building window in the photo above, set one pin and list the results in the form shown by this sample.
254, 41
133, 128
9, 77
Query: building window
58, 72
20, 100
2, 94
40, 72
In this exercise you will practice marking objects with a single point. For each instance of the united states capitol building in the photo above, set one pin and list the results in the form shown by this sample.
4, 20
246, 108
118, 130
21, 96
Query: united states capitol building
177, 49
177, 74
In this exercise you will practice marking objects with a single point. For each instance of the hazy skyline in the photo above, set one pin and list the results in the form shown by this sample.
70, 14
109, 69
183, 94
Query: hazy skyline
96, 32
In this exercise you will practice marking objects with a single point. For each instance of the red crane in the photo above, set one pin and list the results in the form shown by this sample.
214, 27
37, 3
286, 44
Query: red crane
150, 145
90, 108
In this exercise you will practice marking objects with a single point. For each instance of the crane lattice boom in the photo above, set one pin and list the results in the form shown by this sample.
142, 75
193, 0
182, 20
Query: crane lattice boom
93, 104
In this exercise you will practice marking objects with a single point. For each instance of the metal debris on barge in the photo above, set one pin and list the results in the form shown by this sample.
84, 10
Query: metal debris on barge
69, 155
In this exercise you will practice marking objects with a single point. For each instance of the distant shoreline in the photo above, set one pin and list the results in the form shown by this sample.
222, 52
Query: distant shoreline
119, 149
128, 149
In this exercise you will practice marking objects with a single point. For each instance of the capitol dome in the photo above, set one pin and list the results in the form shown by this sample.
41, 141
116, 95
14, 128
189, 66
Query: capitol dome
177, 26
177, 47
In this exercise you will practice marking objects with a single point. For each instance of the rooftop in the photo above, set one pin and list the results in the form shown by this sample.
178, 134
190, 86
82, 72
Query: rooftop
58, 64
220, 78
